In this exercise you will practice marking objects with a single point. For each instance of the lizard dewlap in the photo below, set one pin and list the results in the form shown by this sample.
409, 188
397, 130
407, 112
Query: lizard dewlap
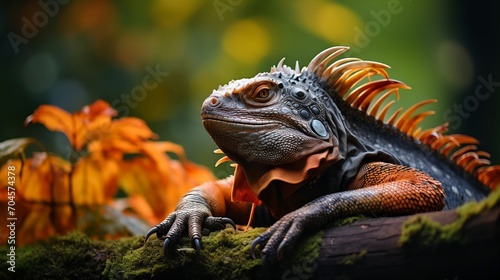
315, 144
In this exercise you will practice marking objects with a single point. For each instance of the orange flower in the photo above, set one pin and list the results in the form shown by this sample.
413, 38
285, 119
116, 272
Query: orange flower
109, 154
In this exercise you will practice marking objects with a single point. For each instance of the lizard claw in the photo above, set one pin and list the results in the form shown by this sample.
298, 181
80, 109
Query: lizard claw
266, 264
228, 221
257, 241
282, 248
150, 232
165, 246
197, 244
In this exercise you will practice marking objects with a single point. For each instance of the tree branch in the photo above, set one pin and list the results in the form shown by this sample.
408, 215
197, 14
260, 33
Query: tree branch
439, 245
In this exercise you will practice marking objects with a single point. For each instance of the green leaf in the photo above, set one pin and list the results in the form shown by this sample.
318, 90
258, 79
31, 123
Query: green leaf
15, 148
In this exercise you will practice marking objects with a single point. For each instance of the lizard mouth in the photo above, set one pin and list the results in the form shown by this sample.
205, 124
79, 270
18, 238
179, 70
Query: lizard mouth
236, 124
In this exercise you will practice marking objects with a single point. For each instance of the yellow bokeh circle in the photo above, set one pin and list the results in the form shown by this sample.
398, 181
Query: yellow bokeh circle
246, 41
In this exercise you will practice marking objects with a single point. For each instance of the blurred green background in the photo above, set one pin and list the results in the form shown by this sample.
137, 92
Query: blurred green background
70, 53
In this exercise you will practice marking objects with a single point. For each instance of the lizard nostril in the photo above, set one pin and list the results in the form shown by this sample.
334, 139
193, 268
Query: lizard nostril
214, 101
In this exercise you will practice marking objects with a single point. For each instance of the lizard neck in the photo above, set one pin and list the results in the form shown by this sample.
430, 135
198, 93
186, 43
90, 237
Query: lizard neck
356, 144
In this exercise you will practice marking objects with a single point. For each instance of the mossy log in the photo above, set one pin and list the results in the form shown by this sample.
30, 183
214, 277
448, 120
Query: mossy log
457, 244
438, 245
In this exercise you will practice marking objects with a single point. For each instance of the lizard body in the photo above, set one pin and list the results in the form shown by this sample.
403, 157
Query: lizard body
313, 145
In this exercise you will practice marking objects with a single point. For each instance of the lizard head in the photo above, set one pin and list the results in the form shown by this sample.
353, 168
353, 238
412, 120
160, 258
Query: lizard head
269, 120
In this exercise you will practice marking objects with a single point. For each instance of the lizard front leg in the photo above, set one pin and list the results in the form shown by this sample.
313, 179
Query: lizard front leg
379, 189
205, 206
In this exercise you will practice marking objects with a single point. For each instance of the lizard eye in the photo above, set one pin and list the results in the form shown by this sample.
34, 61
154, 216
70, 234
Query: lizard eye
262, 94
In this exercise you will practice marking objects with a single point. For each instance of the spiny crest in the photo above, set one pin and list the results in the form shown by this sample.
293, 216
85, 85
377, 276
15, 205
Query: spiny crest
281, 67
346, 75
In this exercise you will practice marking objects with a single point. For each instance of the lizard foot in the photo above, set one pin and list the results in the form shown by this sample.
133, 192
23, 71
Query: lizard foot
176, 224
282, 236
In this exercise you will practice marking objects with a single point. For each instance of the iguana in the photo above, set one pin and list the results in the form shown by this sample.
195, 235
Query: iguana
313, 145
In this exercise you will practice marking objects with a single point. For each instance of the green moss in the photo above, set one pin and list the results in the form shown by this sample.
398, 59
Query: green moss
225, 255
422, 231
348, 220
71, 256
228, 256
302, 262
351, 259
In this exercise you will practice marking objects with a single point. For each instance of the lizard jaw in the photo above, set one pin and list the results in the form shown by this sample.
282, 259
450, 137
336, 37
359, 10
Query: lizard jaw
237, 124
235, 136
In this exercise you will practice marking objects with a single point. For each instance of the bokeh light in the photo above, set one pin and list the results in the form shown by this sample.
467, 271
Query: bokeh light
247, 41
327, 20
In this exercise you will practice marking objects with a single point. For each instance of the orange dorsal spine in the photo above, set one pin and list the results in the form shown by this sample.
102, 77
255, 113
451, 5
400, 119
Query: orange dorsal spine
352, 80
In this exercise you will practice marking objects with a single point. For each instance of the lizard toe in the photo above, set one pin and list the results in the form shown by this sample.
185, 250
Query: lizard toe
166, 246
268, 264
217, 223
162, 228
268, 257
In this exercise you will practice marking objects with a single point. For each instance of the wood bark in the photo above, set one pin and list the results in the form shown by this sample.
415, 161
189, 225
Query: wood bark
371, 249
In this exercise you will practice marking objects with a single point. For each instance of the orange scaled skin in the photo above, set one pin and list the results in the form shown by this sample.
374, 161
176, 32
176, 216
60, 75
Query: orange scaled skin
219, 194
